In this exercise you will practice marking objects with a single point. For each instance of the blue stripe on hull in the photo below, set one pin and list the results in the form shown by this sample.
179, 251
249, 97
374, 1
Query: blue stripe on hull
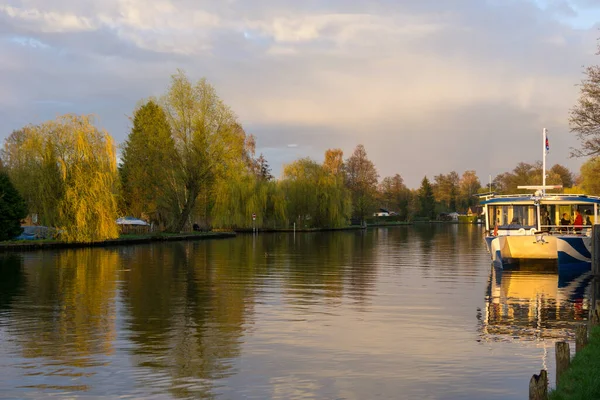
578, 245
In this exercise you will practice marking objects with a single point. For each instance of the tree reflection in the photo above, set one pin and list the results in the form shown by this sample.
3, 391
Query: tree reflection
70, 307
189, 303
11, 278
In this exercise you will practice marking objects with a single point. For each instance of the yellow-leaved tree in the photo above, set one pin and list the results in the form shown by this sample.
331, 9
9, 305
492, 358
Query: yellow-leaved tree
66, 170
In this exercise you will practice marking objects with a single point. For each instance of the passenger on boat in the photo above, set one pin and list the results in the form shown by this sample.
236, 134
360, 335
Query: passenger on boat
546, 218
588, 221
514, 224
565, 220
578, 223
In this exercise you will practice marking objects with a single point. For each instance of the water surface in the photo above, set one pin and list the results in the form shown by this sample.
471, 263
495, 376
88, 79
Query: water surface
389, 313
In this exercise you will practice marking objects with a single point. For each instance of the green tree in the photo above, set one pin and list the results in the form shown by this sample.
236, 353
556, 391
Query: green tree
469, 185
445, 189
315, 197
589, 181
31, 160
585, 116
426, 200
361, 180
208, 142
524, 174
395, 195
566, 176
147, 167
12, 208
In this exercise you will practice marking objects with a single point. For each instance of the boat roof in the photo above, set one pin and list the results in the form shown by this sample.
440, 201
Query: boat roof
547, 199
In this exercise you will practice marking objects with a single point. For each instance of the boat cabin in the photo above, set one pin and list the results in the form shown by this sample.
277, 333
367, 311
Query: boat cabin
552, 213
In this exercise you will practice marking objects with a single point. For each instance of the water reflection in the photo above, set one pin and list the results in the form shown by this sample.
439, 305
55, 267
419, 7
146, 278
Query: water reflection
357, 314
187, 313
534, 302
12, 280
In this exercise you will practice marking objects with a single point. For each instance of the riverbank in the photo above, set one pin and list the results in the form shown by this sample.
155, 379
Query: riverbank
26, 245
580, 381
287, 230
344, 228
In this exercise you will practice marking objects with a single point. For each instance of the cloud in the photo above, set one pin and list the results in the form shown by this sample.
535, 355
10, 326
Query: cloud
464, 83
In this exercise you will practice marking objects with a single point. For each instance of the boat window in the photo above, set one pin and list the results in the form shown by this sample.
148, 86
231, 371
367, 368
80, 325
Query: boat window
549, 216
524, 216
512, 216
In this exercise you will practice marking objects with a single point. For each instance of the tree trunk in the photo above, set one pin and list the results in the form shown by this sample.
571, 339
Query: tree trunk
187, 210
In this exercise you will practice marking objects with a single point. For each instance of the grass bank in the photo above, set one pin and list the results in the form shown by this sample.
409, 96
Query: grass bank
582, 380
25, 245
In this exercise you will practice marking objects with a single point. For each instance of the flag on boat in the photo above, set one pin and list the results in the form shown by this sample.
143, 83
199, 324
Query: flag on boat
547, 144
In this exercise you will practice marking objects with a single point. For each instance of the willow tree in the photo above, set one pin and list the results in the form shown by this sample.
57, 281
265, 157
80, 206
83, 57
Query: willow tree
315, 197
30, 157
207, 140
88, 167
237, 198
148, 155
66, 170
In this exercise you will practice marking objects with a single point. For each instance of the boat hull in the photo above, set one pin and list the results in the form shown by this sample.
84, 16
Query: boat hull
570, 251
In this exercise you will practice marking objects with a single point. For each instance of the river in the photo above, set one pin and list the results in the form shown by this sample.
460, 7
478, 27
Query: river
387, 313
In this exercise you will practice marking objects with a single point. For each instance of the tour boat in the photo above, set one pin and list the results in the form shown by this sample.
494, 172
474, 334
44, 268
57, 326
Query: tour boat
527, 226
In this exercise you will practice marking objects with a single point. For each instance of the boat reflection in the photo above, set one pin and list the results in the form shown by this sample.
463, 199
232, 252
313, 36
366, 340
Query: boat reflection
534, 301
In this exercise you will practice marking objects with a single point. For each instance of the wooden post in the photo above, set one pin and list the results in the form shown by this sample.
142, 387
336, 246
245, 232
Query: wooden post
563, 359
596, 249
581, 337
538, 386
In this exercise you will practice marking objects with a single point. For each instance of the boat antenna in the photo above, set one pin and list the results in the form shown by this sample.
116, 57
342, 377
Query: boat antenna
545, 149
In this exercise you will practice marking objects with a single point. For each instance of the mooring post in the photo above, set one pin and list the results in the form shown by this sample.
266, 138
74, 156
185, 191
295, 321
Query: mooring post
538, 386
581, 337
563, 359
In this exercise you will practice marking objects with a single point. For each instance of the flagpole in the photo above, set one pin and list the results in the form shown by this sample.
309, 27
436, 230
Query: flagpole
544, 162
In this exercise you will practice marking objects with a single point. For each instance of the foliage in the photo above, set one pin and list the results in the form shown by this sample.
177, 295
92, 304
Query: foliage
585, 116
426, 200
469, 185
445, 190
12, 208
208, 142
148, 156
237, 198
590, 171
30, 157
66, 171
566, 176
525, 174
315, 197
264, 170
394, 195
361, 179
334, 161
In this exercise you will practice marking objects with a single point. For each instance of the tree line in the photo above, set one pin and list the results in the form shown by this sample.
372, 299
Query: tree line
187, 160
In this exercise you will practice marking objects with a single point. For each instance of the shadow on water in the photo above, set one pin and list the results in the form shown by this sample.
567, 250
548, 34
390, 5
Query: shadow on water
12, 279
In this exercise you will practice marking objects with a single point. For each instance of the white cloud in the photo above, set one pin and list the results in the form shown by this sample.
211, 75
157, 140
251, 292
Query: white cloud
392, 76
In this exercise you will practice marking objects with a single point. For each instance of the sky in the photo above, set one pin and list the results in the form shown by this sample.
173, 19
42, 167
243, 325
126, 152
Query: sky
427, 86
